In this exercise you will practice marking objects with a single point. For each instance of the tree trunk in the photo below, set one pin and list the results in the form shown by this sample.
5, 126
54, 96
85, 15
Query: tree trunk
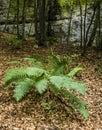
99, 39
42, 22
18, 3
23, 19
7, 16
36, 2
49, 18
93, 33
69, 27
92, 18
81, 25
84, 48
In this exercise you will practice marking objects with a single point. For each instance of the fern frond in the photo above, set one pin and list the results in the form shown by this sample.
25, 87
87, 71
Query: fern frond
59, 70
55, 60
18, 74
34, 72
77, 103
83, 111
58, 64
22, 88
66, 82
74, 71
14, 75
14, 62
41, 85
35, 61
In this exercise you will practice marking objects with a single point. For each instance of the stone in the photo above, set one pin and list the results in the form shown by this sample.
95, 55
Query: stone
60, 26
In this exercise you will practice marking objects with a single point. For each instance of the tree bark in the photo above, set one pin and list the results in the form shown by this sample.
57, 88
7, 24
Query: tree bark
84, 48
7, 16
36, 2
92, 18
95, 26
18, 3
81, 25
42, 23
23, 19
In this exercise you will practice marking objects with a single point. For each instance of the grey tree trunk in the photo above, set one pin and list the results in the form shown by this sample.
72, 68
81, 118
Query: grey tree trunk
23, 18
81, 25
7, 15
18, 3
84, 47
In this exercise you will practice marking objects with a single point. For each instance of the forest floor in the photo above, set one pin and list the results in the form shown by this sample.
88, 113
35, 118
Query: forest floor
30, 113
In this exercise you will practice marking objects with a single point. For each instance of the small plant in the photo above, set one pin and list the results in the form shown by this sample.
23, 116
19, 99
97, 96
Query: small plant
57, 79
15, 41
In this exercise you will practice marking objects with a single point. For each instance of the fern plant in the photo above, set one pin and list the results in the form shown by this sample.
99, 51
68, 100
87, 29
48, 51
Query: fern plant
56, 78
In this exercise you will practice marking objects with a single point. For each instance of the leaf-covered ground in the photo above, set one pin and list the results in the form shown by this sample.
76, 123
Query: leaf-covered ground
41, 112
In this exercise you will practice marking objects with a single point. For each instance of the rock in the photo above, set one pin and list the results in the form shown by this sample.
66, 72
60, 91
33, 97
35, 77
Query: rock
60, 26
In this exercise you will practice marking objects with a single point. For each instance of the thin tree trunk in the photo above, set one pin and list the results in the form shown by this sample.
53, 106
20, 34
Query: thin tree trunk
30, 27
42, 22
84, 48
7, 15
18, 2
91, 39
14, 22
36, 2
99, 35
95, 26
99, 28
23, 19
49, 17
69, 27
81, 25
92, 18
99, 19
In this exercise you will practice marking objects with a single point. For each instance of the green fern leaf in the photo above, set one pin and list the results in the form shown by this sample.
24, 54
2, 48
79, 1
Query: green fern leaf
35, 72
58, 71
35, 62
66, 82
22, 88
57, 81
77, 103
41, 85
55, 60
84, 112
17, 74
74, 71
14, 62
14, 75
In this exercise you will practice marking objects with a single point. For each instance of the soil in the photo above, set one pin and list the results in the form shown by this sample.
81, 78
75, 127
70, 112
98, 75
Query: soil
30, 113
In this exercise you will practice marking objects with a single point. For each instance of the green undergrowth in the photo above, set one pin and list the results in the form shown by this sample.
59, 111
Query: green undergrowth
15, 41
